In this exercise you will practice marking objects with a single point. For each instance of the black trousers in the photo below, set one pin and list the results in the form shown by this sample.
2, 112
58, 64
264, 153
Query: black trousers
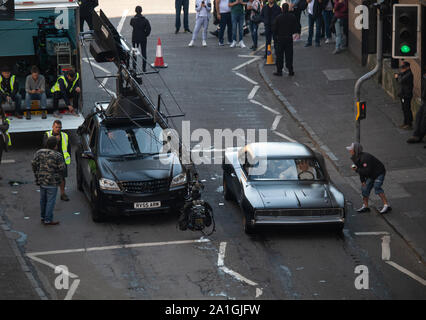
268, 37
284, 47
420, 125
142, 45
88, 19
297, 12
406, 109
59, 95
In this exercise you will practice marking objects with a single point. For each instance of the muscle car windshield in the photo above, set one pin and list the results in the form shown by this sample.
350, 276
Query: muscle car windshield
287, 170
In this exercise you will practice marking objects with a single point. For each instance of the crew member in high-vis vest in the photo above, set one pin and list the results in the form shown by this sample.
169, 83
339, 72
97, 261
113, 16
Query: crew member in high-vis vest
9, 88
66, 88
5, 141
64, 146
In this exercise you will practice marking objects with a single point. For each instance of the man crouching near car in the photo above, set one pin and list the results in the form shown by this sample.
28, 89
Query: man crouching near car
372, 174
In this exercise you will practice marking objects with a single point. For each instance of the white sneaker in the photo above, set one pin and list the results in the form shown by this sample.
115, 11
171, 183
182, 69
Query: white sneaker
233, 44
191, 44
242, 45
386, 208
204, 43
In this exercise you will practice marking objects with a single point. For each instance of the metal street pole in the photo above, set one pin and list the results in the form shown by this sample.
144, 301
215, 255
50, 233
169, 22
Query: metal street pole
365, 77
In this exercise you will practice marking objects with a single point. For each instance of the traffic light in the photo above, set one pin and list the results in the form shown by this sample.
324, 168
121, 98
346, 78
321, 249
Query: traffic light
406, 25
361, 110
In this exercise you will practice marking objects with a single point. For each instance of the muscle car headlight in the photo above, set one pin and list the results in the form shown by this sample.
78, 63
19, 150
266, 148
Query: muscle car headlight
106, 184
178, 180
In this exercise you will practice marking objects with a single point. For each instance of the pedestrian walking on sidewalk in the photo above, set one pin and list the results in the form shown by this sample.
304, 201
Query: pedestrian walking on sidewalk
341, 24
315, 8
269, 12
372, 175
178, 5
5, 141
283, 28
225, 20
405, 79
420, 124
203, 9
48, 167
140, 33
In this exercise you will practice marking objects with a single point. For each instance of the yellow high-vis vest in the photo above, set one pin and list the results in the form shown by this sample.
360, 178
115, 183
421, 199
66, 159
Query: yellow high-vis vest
64, 137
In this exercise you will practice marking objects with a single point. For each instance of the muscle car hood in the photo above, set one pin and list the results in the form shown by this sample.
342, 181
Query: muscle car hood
294, 195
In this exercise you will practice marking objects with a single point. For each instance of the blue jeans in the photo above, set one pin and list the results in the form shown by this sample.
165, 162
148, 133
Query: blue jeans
312, 21
225, 22
253, 30
340, 34
370, 183
327, 15
35, 96
237, 21
47, 202
178, 5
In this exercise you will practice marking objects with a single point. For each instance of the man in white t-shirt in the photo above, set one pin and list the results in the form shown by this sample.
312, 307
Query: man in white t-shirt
225, 20
315, 8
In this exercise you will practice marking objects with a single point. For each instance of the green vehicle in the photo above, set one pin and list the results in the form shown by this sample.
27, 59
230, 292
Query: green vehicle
44, 33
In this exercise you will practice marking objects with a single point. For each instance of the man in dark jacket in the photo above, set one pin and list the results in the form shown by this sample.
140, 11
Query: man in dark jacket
314, 9
9, 90
405, 79
141, 31
372, 174
269, 12
48, 166
178, 5
283, 28
86, 10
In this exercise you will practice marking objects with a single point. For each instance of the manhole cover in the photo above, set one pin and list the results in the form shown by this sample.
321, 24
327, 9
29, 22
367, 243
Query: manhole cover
339, 74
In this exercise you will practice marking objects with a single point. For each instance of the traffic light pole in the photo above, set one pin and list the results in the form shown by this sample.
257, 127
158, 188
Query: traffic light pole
365, 77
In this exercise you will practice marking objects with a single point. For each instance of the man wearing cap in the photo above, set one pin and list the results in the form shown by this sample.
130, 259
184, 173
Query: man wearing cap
9, 88
405, 79
372, 174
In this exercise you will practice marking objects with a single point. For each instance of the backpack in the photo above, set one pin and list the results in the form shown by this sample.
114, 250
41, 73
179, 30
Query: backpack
302, 5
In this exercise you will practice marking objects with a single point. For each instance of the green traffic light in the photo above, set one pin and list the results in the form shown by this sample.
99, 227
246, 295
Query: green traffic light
405, 49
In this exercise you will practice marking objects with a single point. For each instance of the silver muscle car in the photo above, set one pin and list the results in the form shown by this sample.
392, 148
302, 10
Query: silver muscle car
280, 183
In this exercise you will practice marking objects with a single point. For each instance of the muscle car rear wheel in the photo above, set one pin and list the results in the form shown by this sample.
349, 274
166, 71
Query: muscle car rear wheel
248, 228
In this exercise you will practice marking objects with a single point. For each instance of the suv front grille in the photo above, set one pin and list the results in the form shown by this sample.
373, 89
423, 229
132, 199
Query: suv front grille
300, 212
153, 186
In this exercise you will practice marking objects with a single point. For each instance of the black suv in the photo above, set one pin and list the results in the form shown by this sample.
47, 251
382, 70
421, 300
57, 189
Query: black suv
121, 170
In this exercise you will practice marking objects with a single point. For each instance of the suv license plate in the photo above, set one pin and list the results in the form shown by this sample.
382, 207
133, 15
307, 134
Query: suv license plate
147, 205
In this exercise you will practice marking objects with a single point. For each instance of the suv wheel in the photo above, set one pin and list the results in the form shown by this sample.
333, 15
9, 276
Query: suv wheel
79, 177
97, 215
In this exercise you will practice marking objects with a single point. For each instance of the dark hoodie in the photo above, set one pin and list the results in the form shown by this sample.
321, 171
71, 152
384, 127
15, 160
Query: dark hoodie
368, 166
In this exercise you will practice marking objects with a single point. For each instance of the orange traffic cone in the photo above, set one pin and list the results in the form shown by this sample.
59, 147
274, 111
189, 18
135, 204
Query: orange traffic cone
159, 61
269, 56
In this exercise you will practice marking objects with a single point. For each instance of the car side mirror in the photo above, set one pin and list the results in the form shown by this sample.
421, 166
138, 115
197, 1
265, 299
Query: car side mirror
88, 155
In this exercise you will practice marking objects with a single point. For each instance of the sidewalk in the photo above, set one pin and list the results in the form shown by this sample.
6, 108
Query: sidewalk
320, 98
16, 280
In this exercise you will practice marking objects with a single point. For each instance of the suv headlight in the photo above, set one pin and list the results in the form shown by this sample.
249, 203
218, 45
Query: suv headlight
178, 180
106, 184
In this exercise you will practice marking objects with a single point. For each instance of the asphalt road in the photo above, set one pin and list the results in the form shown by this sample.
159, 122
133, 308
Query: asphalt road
147, 257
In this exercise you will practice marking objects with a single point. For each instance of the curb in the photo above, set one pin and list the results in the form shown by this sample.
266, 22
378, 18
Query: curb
325, 150
25, 266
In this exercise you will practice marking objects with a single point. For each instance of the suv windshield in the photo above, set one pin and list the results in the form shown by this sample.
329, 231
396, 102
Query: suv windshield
285, 170
130, 141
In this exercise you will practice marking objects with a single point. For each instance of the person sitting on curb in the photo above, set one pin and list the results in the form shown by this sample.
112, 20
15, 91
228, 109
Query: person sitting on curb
372, 174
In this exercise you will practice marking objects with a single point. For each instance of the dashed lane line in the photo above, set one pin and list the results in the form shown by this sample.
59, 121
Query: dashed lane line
253, 92
407, 272
276, 122
284, 136
246, 78
265, 107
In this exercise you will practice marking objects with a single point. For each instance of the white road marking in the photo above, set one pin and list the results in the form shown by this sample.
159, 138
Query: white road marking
253, 92
7, 161
265, 107
50, 265
276, 122
97, 66
221, 256
259, 292
238, 276
111, 92
284, 136
246, 63
103, 83
72, 290
123, 18
246, 78
378, 233
386, 254
122, 246
407, 272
